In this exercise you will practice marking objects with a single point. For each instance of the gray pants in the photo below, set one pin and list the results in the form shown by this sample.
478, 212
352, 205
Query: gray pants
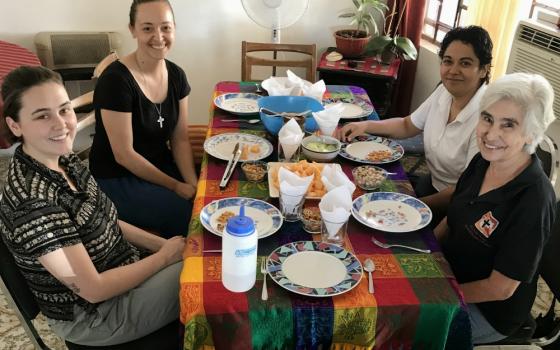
129, 316
482, 331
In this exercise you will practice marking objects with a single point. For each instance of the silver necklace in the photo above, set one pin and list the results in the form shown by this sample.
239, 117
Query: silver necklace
160, 119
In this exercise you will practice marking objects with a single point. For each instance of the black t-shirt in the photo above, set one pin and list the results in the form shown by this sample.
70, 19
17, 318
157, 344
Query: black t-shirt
117, 90
504, 230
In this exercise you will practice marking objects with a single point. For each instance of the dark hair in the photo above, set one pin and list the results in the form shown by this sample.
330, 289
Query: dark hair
15, 84
478, 38
134, 9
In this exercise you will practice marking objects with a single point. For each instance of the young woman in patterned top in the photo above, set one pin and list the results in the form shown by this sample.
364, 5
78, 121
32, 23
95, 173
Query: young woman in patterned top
80, 261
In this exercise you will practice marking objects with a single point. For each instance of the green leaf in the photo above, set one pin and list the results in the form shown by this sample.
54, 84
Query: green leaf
405, 45
346, 15
378, 44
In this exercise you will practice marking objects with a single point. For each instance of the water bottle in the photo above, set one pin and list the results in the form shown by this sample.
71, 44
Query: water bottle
239, 253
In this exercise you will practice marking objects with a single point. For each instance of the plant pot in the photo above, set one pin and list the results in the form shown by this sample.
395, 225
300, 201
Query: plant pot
351, 43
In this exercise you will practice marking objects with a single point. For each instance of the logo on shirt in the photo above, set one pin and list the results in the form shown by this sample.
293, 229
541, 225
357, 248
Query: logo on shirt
487, 224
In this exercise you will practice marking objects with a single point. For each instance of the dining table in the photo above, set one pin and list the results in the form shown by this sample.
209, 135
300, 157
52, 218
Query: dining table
417, 303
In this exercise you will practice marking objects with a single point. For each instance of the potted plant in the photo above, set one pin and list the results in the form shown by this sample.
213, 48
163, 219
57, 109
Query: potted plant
388, 47
351, 42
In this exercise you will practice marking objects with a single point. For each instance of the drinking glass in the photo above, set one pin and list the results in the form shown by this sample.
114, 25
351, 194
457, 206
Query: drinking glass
334, 232
291, 206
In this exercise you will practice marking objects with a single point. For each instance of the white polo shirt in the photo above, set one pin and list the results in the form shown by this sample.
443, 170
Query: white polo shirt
448, 147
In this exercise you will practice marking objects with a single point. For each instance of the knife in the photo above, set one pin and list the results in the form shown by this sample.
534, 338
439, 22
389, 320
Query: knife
231, 165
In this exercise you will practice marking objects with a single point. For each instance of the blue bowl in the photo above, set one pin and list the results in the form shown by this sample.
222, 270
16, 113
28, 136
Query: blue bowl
290, 104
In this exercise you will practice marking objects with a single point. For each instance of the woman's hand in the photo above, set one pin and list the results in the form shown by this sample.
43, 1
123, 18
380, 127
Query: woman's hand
351, 130
185, 190
172, 249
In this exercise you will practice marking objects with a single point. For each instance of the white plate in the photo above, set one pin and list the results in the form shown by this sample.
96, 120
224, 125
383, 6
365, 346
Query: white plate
273, 191
314, 269
221, 146
238, 103
361, 146
356, 109
391, 212
268, 219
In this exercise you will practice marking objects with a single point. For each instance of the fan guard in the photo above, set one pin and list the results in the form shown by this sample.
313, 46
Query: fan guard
275, 14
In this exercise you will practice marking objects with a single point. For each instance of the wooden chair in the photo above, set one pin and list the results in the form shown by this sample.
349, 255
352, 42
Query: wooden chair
197, 135
87, 98
248, 61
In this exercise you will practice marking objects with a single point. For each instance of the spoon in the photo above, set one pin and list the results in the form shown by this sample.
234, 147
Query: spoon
250, 121
369, 266
287, 114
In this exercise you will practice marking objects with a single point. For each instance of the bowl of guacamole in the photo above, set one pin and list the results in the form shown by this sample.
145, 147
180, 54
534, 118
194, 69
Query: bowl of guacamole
320, 148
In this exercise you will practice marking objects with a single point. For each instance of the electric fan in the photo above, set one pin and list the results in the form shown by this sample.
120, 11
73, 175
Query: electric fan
275, 14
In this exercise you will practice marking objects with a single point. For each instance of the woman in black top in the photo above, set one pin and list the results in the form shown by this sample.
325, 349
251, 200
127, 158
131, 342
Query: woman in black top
502, 209
141, 154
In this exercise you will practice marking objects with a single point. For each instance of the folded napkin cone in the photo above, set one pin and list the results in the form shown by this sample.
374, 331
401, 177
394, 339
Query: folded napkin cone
335, 209
333, 176
328, 118
289, 137
292, 185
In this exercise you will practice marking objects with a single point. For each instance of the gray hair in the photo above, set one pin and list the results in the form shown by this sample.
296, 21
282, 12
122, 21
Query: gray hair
533, 94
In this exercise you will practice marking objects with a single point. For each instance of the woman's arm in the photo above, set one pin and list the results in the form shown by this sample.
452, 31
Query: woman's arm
495, 287
438, 202
73, 267
442, 230
181, 145
119, 131
397, 128
141, 238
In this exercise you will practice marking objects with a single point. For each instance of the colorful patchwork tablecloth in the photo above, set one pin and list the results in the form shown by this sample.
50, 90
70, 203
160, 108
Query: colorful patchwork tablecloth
416, 305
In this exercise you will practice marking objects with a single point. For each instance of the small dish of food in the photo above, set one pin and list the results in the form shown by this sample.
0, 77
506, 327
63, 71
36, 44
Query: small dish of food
369, 177
311, 219
320, 148
255, 170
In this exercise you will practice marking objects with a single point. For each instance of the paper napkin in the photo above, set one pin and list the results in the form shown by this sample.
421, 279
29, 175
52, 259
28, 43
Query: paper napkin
292, 85
315, 91
333, 176
289, 137
335, 209
293, 185
328, 118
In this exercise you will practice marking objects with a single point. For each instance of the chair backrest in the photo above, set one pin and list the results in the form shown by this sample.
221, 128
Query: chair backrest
19, 297
248, 61
549, 154
87, 98
197, 135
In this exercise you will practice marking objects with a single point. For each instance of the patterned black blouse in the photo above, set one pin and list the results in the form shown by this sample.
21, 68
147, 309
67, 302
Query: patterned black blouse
40, 213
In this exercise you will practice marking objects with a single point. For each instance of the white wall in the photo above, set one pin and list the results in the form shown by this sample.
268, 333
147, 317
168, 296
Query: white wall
208, 38
427, 74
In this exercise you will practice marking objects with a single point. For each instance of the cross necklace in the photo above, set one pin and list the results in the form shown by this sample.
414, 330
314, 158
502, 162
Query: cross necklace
160, 119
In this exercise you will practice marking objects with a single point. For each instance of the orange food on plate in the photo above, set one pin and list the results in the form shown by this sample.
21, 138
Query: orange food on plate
377, 156
303, 169
247, 149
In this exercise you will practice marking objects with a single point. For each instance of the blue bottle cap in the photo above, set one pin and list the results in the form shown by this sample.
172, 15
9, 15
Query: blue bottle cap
240, 225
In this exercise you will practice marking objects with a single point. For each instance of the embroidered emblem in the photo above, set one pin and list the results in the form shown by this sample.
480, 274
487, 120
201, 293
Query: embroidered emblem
487, 224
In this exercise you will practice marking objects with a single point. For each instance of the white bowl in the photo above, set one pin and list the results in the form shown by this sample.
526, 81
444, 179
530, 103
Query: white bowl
320, 156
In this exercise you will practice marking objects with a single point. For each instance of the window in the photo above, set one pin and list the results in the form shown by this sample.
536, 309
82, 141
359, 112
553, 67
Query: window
546, 6
442, 16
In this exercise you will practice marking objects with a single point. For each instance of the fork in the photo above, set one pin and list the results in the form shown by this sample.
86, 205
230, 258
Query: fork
386, 246
264, 295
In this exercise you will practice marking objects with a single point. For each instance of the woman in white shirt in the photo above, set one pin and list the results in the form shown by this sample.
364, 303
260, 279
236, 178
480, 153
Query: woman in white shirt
448, 117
